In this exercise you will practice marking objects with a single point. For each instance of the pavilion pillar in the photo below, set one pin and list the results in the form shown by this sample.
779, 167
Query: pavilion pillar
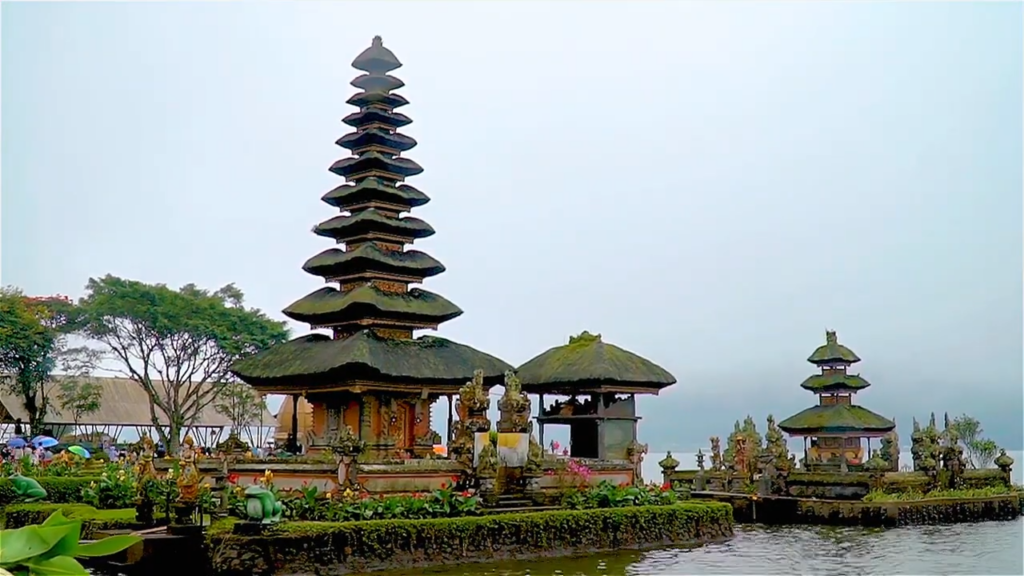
806, 457
450, 437
293, 436
540, 423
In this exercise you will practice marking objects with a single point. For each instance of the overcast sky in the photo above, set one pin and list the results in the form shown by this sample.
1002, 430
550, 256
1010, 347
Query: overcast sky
710, 185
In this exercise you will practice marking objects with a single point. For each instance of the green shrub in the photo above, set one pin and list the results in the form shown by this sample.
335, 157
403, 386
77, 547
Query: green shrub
881, 496
18, 515
299, 547
58, 490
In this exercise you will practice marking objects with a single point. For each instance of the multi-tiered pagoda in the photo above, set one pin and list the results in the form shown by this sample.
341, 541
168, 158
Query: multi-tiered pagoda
836, 426
371, 374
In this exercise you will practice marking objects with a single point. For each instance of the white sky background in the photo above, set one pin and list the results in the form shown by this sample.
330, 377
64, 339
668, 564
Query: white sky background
710, 185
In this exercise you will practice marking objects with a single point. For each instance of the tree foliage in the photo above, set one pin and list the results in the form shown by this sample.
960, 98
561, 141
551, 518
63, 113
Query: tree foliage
79, 393
980, 451
239, 403
32, 334
176, 344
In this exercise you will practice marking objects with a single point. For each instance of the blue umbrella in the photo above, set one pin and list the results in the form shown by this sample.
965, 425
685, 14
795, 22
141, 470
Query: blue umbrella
16, 442
45, 441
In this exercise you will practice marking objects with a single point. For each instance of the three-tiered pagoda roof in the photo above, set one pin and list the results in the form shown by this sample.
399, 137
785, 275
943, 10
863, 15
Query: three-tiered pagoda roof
372, 312
835, 414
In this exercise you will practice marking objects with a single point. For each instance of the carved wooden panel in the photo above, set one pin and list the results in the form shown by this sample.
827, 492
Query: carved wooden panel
393, 247
390, 286
393, 333
351, 285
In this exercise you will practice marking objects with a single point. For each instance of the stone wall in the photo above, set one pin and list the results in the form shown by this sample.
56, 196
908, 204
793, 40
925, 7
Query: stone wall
357, 547
784, 510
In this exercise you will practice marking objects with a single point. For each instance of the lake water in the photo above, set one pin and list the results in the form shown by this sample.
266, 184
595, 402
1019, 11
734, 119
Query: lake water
986, 548
688, 461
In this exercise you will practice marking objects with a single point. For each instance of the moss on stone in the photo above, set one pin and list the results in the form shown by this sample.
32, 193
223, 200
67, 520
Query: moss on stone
329, 305
317, 358
587, 363
836, 419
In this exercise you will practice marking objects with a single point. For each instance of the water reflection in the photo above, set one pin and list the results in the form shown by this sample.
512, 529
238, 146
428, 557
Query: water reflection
986, 548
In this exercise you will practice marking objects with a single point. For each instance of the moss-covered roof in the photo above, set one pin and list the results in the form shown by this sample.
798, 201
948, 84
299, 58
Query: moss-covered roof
397, 165
834, 381
832, 352
587, 364
383, 98
316, 359
329, 305
371, 220
376, 115
369, 257
375, 189
836, 419
378, 137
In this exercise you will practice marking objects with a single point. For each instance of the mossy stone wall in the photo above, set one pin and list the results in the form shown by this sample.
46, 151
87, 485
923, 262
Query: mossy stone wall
782, 510
354, 547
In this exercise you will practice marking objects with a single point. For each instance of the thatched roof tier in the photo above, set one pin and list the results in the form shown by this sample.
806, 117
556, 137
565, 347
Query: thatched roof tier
375, 162
329, 306
376, 59
837, 420
379, 137
371, 221
369, 257
834, 382
588, 365
375, 189
123, 403
377, 82
365, 361
380, 99
832, 352
377, 117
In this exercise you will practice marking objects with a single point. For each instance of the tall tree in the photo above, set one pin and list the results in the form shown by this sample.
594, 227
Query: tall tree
176, 344
980, 451
239, 403
32, 334
78, 392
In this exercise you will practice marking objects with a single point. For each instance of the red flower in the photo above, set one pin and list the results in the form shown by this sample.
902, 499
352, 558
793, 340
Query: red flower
417, 495
466, 494
364, 495
232, 479
666, 486
455, 479
444, 485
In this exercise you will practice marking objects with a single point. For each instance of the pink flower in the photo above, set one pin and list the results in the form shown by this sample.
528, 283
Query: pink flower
555, 446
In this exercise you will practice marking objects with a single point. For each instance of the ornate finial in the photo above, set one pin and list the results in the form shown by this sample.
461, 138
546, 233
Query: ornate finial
377, 42
830, 337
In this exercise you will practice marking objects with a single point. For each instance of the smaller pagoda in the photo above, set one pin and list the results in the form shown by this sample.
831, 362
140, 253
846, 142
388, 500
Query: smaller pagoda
601, 382
836, 427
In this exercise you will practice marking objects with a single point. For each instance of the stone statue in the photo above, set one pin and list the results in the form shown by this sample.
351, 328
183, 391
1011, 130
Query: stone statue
27, 489
890, 452
700, 460
716, 455
146, 478
514, 407
472, 407
535, 459
635, 452
487, 466
188, 479
261, 505
1005, 464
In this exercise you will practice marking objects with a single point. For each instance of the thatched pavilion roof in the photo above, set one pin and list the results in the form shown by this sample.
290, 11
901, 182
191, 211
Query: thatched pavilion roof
124, 403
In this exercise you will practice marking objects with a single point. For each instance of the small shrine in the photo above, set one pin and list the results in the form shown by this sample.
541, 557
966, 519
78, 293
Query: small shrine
836, 428
601, 382
371, 375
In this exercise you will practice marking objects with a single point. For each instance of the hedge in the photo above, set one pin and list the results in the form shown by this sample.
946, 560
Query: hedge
59, 489
18, 515
338, 548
